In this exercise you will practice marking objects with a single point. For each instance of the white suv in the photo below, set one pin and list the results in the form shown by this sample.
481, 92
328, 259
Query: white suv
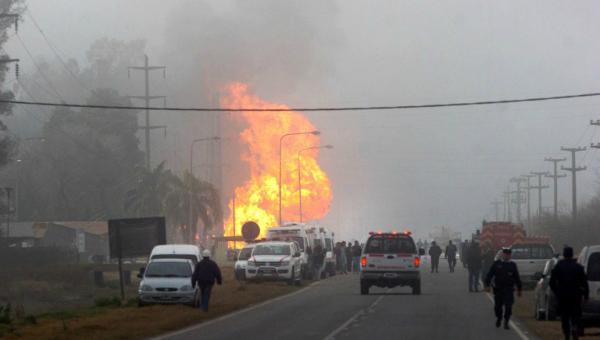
390, 260
275, 261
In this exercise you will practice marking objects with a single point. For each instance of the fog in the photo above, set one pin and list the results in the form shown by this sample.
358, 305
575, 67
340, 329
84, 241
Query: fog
398, 169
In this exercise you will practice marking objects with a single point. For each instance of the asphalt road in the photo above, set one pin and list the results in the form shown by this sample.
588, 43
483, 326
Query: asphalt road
334, 309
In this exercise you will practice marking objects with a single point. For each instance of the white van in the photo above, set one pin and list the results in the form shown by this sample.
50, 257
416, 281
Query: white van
176, 251
324, 238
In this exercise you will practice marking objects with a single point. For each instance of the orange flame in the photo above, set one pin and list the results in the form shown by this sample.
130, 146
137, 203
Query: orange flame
258, 198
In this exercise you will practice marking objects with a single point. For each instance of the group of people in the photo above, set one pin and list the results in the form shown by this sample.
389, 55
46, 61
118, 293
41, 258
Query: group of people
568, 282
347, 257
435, 251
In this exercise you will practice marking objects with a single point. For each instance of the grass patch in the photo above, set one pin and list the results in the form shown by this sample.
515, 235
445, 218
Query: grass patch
523, 309
128, 322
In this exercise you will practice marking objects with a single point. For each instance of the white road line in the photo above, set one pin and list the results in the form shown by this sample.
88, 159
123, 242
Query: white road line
230, 315
345, 325
513, 326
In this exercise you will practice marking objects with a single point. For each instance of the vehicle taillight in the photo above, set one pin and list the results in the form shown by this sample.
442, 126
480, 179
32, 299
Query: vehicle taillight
363, 261
417, 261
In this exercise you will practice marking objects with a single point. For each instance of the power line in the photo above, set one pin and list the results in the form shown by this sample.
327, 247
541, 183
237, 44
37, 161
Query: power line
54, 49
306, 109
42, 73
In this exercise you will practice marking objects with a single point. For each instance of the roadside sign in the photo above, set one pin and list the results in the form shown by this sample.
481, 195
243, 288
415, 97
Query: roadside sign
135, 237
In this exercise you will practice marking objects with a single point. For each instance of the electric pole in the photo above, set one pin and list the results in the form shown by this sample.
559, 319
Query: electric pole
574, 170
147, 97
528, 188
539, 187
507, 202
496, 205
519, 199
555, 176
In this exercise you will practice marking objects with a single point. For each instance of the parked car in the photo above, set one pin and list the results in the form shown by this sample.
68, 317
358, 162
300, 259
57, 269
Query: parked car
242, 261
168, 281
294, 232
589, 258
545, 301
275, 260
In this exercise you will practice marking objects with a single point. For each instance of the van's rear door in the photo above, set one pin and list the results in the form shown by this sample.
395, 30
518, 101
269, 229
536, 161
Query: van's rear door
390, 253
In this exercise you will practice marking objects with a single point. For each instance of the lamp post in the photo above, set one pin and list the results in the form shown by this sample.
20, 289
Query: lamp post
300, 173
190, 217
316, 133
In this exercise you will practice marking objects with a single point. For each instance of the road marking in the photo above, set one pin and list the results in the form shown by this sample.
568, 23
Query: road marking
352, 319
513, 325
230, 315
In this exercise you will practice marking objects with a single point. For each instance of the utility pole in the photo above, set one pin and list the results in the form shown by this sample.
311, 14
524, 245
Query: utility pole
507, 211
574, 170
8, 190
147, 97
496, 205
519, 199
539, 187
555, 176
528, 188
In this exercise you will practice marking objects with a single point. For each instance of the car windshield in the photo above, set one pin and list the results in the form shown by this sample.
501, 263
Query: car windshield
390, 244
245, 254
168, 269
535, 251
272, 249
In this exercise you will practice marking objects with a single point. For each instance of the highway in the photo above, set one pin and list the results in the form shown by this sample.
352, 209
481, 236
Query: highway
334, 309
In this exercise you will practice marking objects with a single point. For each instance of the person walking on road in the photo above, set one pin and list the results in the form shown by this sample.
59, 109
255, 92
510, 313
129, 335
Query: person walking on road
349, 257
435, 252
570, 286
504, 276
464, 249
343, 258
356, 251
205, 274
317, 262
473, 260
451, 251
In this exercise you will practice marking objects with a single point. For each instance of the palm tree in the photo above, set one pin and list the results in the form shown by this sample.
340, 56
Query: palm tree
146, 198
160, 192
205, 202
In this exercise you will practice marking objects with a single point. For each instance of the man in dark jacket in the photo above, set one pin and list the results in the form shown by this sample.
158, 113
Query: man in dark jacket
451, 251
504, 276
570, 286
435, 252
473, 261
205, 274
356, 252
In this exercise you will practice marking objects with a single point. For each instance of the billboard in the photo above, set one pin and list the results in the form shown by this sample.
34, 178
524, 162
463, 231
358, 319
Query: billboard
135, 237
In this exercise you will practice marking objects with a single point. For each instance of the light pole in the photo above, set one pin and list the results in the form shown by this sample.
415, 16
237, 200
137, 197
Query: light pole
300, 173
316, 133
190, 217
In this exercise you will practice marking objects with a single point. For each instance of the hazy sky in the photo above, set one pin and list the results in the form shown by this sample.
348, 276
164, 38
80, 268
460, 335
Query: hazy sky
396, 169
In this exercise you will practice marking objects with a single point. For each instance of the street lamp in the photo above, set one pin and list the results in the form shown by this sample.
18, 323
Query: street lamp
316, 133
216, 138
300, 173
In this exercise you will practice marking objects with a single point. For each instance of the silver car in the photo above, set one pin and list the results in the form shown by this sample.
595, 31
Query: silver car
168, 281
545, 302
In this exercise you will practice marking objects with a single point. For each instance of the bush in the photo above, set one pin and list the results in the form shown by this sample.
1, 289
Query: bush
108, 302
30, 320
5, 317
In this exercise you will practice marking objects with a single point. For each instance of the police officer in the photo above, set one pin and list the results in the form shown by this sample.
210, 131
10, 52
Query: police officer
503, 276
570, 286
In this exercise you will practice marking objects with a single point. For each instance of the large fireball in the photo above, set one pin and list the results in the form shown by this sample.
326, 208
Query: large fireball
258, 198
